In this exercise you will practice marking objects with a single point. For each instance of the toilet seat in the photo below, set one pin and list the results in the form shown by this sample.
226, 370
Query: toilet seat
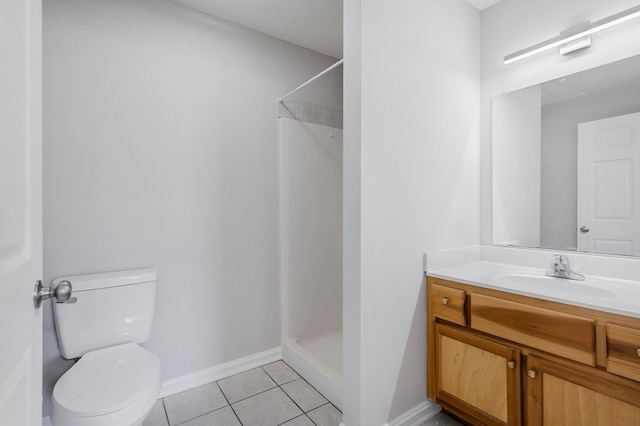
118, 384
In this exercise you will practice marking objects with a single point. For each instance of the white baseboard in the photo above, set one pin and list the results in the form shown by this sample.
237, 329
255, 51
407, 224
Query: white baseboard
212, 374
417, 415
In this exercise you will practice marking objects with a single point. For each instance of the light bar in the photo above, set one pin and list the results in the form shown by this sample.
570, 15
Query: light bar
569, 36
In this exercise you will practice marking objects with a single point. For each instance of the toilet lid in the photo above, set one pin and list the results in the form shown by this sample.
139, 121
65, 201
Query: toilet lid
107, 380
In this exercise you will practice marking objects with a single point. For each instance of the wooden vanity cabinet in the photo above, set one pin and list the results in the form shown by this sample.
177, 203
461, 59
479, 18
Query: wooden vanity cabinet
496, 358
477, 376
558, 393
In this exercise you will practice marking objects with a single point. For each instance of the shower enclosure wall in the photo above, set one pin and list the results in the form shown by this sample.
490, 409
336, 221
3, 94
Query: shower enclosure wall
311, 236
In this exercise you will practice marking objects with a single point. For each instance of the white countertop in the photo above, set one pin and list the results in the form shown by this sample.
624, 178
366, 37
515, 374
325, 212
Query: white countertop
603, 293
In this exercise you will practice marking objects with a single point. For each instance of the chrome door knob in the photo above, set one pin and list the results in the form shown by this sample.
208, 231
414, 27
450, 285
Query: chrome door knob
61, 292
584, 229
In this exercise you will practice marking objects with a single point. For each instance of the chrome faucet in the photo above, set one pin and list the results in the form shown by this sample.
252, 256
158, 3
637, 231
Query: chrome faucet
560, 269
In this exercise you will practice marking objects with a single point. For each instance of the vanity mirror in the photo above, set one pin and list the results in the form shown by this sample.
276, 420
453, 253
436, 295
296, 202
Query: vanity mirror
566, 162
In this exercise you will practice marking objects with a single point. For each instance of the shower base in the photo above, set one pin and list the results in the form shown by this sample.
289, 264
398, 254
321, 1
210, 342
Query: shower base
319, 361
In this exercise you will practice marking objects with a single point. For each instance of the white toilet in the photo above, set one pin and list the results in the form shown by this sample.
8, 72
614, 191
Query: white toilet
115, 382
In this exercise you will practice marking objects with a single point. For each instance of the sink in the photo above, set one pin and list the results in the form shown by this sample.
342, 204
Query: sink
590, 288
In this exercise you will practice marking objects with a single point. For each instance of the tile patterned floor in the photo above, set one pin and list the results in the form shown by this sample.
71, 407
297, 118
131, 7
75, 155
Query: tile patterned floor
441, 419
270, 395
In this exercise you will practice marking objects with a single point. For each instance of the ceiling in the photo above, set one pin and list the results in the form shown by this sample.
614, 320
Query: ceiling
314, 24
482, 4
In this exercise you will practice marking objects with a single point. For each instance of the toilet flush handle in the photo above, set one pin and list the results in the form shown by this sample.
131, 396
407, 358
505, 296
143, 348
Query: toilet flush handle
61, 292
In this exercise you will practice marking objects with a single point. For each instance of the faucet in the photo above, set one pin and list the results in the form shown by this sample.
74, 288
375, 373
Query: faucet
560, 269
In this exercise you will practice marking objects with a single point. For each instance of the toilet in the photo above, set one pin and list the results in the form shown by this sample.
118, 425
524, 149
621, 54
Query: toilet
115, 382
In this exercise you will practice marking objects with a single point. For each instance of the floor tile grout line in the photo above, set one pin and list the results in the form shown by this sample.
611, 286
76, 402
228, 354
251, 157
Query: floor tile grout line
313, 387
269, 375
311, 420
229, 402
292, 400
280, 384
251, 396
301, 415
320, 393
202, 415
260, 367
301, 409
304, 413
327, 403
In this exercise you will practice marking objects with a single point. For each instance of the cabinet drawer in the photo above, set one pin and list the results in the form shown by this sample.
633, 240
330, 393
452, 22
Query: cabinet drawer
623, 351
566, 335
448, 304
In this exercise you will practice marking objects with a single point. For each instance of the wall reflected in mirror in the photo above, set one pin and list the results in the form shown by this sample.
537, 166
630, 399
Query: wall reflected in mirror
566, 162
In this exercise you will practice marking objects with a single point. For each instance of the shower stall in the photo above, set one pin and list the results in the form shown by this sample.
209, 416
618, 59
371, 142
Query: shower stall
311, 244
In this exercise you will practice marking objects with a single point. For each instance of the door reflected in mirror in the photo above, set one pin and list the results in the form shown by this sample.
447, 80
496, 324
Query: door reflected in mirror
566, 162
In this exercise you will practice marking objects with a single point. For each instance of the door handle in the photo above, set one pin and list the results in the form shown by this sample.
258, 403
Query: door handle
61, 292
584, 229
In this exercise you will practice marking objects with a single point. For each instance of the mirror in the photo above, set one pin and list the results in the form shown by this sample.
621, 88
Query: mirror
566, 162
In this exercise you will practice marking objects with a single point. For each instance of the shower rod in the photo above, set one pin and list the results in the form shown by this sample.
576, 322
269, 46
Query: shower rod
337, 64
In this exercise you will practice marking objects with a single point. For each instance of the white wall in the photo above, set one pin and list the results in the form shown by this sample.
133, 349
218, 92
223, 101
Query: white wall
511, 25
312, 229
516, 129
559, 185
161, 149
411, 172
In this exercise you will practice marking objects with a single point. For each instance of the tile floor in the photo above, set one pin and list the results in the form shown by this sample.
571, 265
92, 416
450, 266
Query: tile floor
441, 419
270, 395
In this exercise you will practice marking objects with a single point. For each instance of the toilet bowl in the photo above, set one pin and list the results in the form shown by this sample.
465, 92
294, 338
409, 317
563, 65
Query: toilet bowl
115, 382
107, 387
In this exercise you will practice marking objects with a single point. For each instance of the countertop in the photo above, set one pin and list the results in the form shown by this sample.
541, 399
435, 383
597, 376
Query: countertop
603, 293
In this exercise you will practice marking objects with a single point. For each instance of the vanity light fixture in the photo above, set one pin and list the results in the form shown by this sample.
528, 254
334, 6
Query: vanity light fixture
577, 38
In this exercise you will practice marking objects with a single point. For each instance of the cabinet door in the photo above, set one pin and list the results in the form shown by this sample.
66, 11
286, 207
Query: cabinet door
477, 379
563, 393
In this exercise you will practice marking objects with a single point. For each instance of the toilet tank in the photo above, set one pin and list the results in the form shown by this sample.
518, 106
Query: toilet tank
110, 308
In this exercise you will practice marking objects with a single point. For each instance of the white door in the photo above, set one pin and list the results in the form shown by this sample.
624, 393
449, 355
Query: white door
20, 211
609, 185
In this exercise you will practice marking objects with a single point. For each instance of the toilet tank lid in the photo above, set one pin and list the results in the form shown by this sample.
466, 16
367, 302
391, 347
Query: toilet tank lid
109, 279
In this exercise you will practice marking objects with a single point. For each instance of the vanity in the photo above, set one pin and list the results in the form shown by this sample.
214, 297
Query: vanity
508, 345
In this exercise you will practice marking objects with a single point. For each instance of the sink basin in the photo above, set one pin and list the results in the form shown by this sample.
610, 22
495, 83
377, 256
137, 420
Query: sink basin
590, 288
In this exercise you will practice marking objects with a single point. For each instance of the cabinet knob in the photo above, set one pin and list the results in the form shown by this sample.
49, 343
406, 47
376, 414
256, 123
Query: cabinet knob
638, 352
445, 300
532, 374
511, 365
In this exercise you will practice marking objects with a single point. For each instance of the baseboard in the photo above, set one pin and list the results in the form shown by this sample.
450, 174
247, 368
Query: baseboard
417, 415
212, 374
